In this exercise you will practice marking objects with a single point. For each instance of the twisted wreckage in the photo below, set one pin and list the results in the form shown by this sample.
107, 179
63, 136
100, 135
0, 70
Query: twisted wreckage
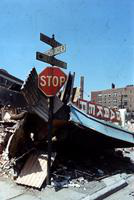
24, 128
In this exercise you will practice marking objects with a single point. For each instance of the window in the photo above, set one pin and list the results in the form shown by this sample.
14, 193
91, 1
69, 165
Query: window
114, 102
125, 103
84, 107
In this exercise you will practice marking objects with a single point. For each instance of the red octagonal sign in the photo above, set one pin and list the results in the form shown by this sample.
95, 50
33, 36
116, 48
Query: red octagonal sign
50, 80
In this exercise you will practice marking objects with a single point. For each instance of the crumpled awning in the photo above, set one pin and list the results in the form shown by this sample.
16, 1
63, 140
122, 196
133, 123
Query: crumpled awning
102, 128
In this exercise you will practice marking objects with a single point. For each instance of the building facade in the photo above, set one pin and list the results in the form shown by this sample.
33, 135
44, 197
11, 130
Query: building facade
115, 98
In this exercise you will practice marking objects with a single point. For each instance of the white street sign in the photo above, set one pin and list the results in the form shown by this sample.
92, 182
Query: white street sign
55, 51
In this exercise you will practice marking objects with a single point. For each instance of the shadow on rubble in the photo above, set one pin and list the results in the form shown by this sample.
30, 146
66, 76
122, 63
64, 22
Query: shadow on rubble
79, 162
71, 170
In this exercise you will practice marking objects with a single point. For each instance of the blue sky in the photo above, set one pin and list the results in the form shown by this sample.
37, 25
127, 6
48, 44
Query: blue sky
99, 35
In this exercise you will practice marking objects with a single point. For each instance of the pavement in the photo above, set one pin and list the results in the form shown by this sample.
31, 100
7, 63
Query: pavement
95, 190
87, 190
127, 193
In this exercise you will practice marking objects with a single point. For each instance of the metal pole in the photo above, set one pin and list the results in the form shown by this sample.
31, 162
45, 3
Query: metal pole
50, 126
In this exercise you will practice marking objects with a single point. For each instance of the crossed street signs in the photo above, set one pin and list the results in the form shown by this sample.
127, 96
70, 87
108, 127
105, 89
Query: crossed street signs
48, 56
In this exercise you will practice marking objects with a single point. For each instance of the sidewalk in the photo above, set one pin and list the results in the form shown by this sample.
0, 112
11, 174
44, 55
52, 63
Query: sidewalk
90, 191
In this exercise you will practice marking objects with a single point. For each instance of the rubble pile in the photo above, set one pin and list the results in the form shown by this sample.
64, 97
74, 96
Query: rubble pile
25, 136
80, 154
95, 167
7, 129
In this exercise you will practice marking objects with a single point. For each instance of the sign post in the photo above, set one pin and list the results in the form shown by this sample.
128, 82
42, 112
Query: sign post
50, 128
50, 80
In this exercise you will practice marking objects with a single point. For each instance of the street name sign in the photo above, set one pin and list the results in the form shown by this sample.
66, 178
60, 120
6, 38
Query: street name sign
50, 80
50, 41
51, 60
55, 51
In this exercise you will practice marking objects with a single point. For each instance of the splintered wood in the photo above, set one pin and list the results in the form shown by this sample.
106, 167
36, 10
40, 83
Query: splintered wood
34, 171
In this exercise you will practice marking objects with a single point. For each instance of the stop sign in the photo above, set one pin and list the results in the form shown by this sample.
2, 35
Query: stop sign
50, 80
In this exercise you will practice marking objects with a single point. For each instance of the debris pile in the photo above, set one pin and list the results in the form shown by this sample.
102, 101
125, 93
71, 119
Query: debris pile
76, 161
24, 157
7, 129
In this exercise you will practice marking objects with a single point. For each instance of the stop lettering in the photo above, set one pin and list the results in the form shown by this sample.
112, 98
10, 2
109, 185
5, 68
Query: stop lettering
50, 80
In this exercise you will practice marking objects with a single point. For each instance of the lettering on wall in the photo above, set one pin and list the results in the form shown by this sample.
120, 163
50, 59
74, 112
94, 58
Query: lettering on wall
98, 111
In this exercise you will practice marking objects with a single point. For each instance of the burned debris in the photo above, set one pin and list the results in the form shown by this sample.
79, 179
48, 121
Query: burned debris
83, 147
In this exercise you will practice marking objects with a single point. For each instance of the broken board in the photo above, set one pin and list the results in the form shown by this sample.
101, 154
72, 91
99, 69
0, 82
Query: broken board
34, 171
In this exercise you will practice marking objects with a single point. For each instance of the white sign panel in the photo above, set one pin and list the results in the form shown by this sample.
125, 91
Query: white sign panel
55, 51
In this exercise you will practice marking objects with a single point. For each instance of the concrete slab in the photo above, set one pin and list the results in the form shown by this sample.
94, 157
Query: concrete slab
113, 185
112, 179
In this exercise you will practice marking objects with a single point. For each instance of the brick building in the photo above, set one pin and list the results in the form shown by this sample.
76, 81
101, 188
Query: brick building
115, 98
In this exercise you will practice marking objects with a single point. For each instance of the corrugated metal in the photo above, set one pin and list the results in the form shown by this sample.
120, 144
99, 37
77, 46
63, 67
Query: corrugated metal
100, 126
34, 171
36, 100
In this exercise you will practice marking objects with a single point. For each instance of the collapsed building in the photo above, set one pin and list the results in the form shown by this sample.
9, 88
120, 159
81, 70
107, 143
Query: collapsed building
10, 95
75, 134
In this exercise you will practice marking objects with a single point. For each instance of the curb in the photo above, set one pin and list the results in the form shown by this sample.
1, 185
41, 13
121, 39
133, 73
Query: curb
105, 192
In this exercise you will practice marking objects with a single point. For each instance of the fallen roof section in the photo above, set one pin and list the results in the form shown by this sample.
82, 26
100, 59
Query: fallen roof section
5, 75
34, 171
10, 97
103, 131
